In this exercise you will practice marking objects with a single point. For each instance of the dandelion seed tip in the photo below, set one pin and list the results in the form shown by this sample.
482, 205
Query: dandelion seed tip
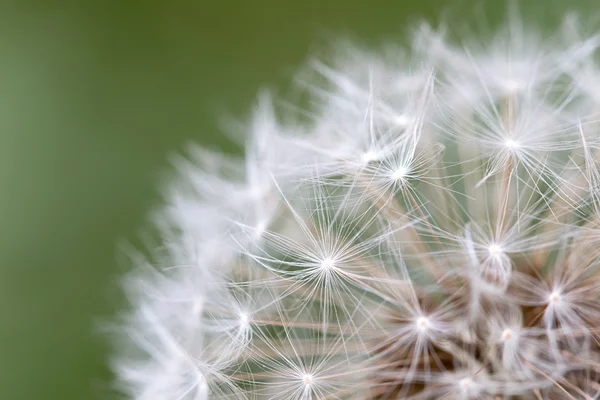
422, 323
512, 85
244, 320
466, 383
260, 228
511, 144
402, 120
399, 174
369, 156
327, 264
197, 307
308, 379
494, 249
554, 297
507, 334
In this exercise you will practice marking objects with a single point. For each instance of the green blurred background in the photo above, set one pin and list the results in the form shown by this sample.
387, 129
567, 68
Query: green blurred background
94, 95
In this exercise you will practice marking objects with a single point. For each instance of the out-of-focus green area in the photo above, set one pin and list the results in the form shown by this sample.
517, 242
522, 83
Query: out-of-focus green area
94, 95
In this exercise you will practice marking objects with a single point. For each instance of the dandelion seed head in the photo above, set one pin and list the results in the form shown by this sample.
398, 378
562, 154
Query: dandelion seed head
198, 306
311, 268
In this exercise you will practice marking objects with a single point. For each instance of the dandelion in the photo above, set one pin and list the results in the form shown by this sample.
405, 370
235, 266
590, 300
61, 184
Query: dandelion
430, 231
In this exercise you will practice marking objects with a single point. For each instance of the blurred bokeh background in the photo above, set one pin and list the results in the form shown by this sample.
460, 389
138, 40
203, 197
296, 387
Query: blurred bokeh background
94, 96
